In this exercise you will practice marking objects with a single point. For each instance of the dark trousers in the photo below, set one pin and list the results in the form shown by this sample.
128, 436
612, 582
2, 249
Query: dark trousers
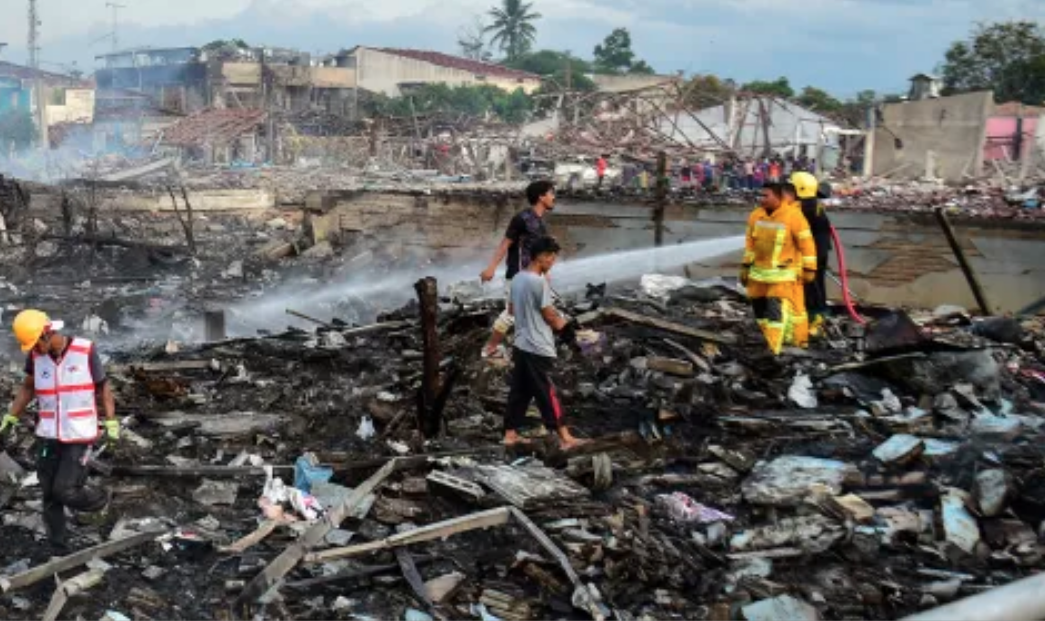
62, 469
531, 381
816, 292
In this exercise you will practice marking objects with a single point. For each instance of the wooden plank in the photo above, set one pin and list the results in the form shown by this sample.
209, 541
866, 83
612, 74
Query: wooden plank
669, 326
69, 588
155, 367
65, 563
294, 553
253, 539
438, 530
413, 577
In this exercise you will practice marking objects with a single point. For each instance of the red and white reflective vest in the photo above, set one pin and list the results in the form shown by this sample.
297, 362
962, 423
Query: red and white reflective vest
65, 395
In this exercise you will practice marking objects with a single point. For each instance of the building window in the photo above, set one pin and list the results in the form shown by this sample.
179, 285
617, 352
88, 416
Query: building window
58, 97
480, 78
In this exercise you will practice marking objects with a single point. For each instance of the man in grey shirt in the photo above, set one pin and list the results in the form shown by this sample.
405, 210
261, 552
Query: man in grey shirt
534, 355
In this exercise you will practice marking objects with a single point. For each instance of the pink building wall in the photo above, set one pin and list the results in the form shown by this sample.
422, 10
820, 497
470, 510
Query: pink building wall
1001, 131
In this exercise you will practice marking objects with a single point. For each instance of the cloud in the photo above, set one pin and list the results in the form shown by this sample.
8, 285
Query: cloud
841, 45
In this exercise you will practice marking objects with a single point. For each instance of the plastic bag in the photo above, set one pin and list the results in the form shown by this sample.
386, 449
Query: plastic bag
308, 471
801, 392
366, 429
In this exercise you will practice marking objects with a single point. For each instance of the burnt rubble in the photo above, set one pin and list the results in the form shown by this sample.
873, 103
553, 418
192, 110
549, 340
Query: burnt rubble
887, 470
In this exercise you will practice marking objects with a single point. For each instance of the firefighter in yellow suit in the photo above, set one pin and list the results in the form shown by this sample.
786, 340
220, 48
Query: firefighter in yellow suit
779, 258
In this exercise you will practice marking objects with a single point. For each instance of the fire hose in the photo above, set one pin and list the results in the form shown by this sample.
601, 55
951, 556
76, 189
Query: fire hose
845, 279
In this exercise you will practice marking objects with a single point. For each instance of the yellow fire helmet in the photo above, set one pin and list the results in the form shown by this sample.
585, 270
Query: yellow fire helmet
805, 184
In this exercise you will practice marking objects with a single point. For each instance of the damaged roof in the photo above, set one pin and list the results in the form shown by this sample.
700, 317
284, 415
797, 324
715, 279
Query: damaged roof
456, 62
21, 72
214, 126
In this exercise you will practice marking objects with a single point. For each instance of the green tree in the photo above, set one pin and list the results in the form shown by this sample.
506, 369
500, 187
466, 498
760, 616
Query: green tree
476, 101
818, 100
560, 68
17, 129
615, 56
512, 27
1006, 57
780, 87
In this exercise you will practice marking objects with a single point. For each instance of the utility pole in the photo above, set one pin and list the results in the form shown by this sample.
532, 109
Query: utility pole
34, 63
115, 24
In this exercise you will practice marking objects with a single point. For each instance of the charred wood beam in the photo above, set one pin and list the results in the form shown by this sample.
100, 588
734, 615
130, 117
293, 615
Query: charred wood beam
434, 392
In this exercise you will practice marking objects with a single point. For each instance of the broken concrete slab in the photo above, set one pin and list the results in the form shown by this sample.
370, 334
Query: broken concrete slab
959, 525
788, 480
899, 449
814, 533
992, 489
216, 492
782, 608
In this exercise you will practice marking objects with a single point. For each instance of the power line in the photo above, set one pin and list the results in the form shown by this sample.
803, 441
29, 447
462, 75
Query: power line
115, 24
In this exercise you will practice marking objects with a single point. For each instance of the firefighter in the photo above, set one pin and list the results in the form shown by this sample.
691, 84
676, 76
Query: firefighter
809, 191
779, 257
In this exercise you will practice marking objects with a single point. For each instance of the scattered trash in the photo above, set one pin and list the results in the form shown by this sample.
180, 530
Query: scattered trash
682, 508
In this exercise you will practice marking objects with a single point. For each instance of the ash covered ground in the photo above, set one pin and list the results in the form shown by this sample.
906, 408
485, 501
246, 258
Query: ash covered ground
905, 474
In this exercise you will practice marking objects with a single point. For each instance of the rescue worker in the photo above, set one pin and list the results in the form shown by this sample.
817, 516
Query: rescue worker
809, 192
67, 378
779, 256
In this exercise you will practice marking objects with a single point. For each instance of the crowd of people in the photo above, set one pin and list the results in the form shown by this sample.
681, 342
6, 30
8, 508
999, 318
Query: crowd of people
731, 173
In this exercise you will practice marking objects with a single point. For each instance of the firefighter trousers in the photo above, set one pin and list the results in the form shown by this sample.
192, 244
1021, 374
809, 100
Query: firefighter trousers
781, 313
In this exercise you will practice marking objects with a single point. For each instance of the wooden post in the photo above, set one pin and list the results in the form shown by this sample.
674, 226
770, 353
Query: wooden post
428, 296
970, 276
662, 199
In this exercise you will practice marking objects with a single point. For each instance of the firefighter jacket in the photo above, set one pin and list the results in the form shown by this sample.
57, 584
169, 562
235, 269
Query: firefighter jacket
779, 245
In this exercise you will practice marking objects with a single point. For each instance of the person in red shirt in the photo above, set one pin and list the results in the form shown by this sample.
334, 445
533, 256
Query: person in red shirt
600, 170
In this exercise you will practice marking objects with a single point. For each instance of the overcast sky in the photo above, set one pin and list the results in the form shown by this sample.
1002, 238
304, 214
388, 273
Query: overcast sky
840, 45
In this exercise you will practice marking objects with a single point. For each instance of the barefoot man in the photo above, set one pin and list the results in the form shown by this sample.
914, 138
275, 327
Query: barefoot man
534, 354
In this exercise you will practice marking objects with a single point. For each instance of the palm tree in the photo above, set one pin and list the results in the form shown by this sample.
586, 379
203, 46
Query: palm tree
512, 27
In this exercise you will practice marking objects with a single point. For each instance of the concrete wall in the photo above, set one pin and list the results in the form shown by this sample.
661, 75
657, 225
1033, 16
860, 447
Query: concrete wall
78, 107
954, 128
893, 259
622, 83
382, 73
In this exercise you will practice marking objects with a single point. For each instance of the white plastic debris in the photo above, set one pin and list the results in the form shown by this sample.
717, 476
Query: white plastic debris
366, 429
789, 480
234, 270
801, 392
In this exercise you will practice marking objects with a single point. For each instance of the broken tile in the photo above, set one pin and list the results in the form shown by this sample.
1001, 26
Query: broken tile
959, 525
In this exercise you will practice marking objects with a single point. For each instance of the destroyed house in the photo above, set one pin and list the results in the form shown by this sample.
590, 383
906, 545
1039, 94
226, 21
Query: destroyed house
217, 136
174, 77
295, 83
126, 119
17, 83
390, 70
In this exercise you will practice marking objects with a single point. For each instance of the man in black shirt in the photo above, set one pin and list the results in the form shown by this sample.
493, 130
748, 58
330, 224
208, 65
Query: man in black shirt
525, 227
